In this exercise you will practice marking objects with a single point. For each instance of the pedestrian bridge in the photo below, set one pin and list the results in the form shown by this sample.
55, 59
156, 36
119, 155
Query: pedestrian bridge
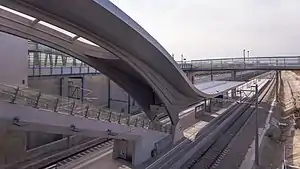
248, 63
27, 109
120, 49
111, 42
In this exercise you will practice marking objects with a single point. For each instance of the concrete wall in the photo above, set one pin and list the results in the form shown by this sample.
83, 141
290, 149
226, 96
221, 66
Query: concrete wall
13, 64
98, 85
12, 146
36, 139
45, 84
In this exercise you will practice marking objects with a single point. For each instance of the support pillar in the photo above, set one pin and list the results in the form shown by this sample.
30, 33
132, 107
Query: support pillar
177, 132
36, 59
209, 106
233, 78
277, 84
108, 94
191, 77
64, 86
211, 76
69, 141
128, 104
82, 88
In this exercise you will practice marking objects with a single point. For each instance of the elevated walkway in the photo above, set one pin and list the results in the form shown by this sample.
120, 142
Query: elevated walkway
44, 61
29, 110
248, 63
61, 71
143, 68
35, 99
30, 119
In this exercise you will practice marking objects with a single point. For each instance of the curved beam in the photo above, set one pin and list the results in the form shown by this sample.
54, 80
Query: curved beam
107, 26
103, 60
22, 27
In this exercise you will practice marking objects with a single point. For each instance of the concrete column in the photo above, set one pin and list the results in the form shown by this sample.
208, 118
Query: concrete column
108, 93
277, 84
128, 104
69, 141
233, 78
209, 106
177, 132
190, 75
211, 76
64, 86
14, 60
233, 75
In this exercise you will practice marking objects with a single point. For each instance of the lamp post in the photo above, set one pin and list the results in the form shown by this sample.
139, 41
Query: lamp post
244, 54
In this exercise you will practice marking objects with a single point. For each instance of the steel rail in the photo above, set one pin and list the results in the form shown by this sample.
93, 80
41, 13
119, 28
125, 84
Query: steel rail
175, 155
55, 164
207, 156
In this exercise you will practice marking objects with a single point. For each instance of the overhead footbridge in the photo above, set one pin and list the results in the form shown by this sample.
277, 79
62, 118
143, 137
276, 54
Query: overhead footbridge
242, 64
101, 35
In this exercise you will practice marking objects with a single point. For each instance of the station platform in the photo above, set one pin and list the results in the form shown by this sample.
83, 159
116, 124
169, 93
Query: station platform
215, 87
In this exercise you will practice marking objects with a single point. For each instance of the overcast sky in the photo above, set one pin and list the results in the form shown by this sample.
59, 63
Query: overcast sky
219, 28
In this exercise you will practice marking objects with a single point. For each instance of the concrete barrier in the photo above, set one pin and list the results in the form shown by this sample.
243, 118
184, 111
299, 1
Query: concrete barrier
62, 144
42, 162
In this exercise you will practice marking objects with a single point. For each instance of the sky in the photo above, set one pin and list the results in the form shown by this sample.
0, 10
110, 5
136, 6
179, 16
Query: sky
203, 29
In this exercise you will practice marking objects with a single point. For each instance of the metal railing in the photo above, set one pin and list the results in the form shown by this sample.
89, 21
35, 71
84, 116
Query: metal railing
36, 99
48, 58
62, 70
51, 63
43, 63
249, 63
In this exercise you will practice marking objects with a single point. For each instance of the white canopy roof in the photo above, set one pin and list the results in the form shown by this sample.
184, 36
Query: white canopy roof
215, 87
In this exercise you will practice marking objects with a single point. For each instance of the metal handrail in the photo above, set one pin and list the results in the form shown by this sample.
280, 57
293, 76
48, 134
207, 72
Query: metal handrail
241, 63
36, 99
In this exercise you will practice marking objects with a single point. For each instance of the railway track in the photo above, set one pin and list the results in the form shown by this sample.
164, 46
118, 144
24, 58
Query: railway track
68, 159
183, 155
208, 155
